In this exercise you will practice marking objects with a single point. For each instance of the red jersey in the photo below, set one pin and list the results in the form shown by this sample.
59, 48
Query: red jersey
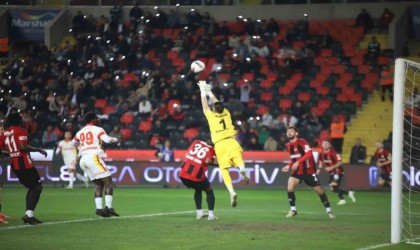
301, 151
331, 158
11, 140
383, 156
195, 167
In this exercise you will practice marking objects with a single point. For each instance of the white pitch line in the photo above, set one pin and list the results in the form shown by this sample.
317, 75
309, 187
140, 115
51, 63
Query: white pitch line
95, 219
276, 211
375, 246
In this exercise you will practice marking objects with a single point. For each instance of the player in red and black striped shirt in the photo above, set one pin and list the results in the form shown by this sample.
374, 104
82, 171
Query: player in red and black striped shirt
15, 140
193, 175
303, 168
383, 161
333, 164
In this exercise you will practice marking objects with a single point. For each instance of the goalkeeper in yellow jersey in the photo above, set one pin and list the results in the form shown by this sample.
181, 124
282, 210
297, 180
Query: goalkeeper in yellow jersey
228, 150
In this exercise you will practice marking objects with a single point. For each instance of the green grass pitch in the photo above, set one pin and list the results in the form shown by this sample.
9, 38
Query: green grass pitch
165, 219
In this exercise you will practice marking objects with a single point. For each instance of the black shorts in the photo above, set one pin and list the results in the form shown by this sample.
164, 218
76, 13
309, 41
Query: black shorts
29, 177
197, 185
386, 177
337, 178
310, 179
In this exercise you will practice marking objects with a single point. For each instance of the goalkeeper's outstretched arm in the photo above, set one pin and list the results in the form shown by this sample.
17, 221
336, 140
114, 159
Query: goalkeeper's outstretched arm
203, 90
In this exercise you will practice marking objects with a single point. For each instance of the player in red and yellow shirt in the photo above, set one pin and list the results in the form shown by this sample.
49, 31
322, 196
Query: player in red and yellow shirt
15, 140
303, 168
333, 164
383, 162
193, 175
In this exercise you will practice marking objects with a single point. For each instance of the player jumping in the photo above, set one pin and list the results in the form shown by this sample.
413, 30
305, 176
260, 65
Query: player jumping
228, 150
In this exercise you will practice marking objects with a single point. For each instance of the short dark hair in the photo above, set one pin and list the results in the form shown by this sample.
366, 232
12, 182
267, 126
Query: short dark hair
294, 128
13, 119
89, 117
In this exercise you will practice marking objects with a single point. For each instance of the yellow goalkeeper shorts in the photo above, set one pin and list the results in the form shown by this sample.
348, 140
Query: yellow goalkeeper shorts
229, 153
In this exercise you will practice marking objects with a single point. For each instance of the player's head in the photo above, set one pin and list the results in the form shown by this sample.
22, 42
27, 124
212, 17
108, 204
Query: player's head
218, 107
292, 132
67, 135
379, 145
14, 119
326, 145
91, 117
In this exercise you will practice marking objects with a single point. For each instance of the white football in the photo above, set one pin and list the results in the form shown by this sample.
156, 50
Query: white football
197, 66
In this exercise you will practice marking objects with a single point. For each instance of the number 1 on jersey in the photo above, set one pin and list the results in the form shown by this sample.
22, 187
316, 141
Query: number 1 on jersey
223, 123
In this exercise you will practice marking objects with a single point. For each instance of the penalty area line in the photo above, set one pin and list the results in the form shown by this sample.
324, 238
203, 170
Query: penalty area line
96, 219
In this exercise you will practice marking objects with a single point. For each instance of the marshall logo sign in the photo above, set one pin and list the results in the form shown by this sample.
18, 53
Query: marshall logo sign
29, 25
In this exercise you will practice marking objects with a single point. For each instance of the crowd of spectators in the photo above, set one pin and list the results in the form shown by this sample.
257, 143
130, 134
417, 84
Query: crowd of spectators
55, 88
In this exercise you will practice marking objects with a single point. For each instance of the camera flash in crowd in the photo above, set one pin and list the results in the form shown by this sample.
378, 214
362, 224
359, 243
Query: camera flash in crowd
239, 123
155, 7
192, 10
240, 17
177, 5
305, 15
70, 30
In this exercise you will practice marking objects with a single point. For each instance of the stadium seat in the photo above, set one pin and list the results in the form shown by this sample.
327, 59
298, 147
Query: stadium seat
304, 97
326, 52
172, 54
190, 133
266, 84
342, 98
324, 104
126, 133
285, 104
127, 118
261, 110
285, 90
108, 109
100, 103
154, 140
248, 76
145, 126
272, 76
224, 77
266, 97
323, 91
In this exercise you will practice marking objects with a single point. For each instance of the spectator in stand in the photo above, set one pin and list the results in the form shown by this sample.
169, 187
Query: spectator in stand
358, 152
135, 16
299, 110
145, 108
266, 119
49, 138
116, 14
387, 82
166, 153
273, 28
270, 144
373, 49
385, 19
263, 134
311, 121
245, 94
254, 145
161, 112
178, 115
78, 23
337, 130
282, 142
116, 133
159, 130
289, 120
364, 20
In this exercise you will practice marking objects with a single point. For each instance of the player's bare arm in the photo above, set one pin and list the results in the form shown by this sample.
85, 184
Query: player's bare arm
25, 146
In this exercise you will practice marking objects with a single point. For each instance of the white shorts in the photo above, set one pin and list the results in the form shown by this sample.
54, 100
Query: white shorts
94, 167
70, 164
